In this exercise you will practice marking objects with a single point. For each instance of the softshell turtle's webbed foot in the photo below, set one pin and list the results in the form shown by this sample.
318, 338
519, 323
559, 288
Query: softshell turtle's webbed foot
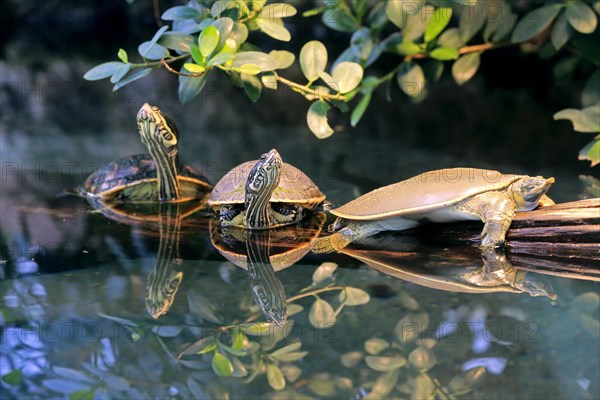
497, 218
334, 242
546, 201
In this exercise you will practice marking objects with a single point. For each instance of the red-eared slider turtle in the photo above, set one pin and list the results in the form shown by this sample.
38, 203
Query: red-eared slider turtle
446, 195
263, 194
153, 177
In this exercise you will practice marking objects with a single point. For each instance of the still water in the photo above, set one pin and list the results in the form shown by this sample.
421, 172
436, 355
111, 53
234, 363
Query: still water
104, 304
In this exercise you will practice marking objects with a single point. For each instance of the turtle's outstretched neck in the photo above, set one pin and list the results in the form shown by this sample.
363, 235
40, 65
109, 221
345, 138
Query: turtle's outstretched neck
262, 182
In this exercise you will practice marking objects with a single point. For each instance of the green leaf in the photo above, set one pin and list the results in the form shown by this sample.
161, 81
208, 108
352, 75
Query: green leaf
82, 395
231, 350
152, 42
321, 314
119, 74
208, 40
591, 152
450, 38
565, 67
103, 71
177, 41
278, 10
535, 22
591, 91
354, 297
324, 272
212, 346
283, 59
439, 21
347, 75
416, 24
189, 88
133, 76
360, 109
222, 58
398, 11
249, 69
384, 364
275, 377
264, 61
316, 118
239, 34
13, 378
225, 27
194, 68
252, 86
505, 26
122, 54
586, 120
313, 59
275, 30
181, 13
581, 16
269, 80
466, 67
293, 356
340, 19
471, 21
258, 329
407, 48
361, 43
152, 51
561, 32
221, 365
195, 52
444, 53
375, 346
411, 79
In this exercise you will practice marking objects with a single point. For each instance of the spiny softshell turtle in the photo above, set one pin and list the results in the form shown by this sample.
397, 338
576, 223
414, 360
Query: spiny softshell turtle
264, 193
262, 253
447, 195
153, 177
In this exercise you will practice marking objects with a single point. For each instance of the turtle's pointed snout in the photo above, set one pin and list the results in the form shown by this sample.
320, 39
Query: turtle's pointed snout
550, 181
144, 112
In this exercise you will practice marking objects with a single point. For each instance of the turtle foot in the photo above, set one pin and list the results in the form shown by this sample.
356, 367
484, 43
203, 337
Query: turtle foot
331, 243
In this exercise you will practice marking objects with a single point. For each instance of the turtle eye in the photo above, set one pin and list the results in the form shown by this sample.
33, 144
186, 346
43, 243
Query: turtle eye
263, 157
168, 136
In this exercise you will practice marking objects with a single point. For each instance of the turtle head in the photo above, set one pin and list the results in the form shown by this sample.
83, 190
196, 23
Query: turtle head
262, 181
160, 294
528, 191
159, 134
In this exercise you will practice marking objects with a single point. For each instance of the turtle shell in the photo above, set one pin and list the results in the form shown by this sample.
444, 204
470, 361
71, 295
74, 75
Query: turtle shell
423, 193
294, 187
133, 179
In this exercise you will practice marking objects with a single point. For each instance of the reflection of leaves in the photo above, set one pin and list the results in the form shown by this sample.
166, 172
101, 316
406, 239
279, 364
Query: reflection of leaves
167, 331
410, 326
354, 297
384, 364
321, 314
384, 384
422, 358
324, 272
465, 381
221, 365
13, 378
275, 377
200, 305
351, 359
83, 395
375, 346
64, 386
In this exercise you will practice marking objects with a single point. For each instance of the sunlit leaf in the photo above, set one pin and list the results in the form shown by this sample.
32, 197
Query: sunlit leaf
375, 346
208, 40
466, 67
581, 16
249, 69
535, 22
264, 61
212, 346
294, 309
324, 272
269, 80
384, 384
283, 59
383, 364
225, 27
287, 349
258, 329
354, 297
313, 59
220, 59
398, 11
152, 51
422, 358
444, 54
450, 38
176, 41
239, 369
275, 377
221, 365
347, 76
275, 30
278, 10
360, 109
416, 23
122, 54
586, 120
407, 48
439, 21
316, 118
180, 13
103, 71
411, 79
194, 68
291, 357
321, 314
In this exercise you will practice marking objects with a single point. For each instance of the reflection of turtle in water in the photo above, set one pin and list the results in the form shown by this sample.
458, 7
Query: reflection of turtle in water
447, 195
496, 275
264, 194
153, 177
262, 253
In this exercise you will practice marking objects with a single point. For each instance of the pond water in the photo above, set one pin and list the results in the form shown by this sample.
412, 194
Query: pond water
97, 303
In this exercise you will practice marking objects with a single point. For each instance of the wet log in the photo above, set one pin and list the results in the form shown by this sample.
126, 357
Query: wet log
568, 230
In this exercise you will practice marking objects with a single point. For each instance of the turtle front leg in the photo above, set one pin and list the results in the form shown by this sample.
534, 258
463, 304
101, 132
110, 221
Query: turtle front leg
546, 201
497, 218
336, 241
